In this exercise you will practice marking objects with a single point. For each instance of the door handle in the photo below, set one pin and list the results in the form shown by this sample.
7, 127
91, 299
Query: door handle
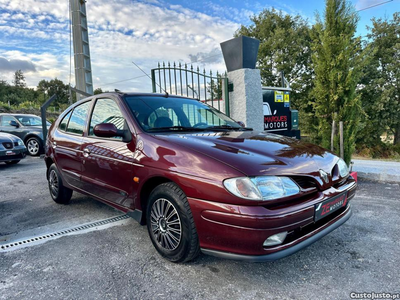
86, 152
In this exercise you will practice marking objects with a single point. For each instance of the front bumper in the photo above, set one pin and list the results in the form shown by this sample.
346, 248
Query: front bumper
313, 237
238, 232
18, 153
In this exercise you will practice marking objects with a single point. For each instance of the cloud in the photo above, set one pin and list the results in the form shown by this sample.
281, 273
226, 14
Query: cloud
213, 56
120, 32
16, 64
38, 66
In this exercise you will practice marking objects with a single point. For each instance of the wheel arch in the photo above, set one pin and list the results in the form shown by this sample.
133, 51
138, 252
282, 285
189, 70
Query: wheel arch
48, 161
30, 135
145, 192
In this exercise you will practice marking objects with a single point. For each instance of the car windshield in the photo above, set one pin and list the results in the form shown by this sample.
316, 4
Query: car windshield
31, 121
163, 114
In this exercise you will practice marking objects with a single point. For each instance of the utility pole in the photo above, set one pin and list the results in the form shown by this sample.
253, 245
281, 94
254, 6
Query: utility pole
83, 68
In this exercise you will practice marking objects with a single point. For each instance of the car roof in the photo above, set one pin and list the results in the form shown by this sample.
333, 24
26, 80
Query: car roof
119, 93
17, 114
130, 94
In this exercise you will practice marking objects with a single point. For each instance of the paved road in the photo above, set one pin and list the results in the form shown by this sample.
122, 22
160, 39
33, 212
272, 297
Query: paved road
120, 262
385, 171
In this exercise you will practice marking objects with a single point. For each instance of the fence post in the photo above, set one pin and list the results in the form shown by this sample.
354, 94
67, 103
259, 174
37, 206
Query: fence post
226, 96
341, 139
153, 80
333, 133
43, 115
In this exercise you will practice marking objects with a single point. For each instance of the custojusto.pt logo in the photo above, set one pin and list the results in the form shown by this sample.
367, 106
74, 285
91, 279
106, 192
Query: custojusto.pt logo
374, 295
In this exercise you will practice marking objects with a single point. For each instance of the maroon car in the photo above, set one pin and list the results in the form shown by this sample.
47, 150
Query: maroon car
200, 181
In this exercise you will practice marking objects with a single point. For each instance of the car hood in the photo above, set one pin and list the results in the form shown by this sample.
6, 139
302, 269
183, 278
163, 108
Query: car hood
255, 153
6, 137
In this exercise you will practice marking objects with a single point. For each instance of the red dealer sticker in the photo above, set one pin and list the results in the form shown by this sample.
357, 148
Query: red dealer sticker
330, 205
275, 122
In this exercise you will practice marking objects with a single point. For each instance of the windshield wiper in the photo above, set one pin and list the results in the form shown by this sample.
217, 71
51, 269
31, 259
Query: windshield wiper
229, 127
176, 128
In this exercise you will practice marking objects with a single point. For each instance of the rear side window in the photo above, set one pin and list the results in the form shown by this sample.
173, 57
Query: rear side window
64, 122
77, 121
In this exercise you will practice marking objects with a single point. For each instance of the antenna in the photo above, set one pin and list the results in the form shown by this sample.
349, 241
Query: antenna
166, 93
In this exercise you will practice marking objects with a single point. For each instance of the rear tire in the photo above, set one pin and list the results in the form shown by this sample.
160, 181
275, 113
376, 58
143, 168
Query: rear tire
170, 224
58, 192
12, 162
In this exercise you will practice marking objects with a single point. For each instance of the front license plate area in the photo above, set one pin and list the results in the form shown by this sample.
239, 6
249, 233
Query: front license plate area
329, 206
10, 153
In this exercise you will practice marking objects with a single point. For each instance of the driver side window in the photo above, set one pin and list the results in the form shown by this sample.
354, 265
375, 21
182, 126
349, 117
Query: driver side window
106, 111
5, 120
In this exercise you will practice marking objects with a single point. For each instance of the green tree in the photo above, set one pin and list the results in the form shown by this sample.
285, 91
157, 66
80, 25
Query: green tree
16, 94
98, 91
19, 79
214, 86
381, 82
285, 45
54, 87
337, 64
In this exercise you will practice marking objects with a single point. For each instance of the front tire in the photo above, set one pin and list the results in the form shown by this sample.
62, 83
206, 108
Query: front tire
59, 193
170, 224
34, 146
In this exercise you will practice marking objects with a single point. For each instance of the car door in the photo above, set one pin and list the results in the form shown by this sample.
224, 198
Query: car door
6, 127
107, 161
67, 141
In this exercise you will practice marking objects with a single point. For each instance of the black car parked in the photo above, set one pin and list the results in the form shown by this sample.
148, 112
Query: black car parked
26, 127
12, 149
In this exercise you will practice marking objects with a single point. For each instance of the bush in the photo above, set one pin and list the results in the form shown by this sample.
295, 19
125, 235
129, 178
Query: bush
382, 150
4, 108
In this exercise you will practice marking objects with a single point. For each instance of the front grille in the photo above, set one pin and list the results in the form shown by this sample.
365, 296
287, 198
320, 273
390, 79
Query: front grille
302, 231
8, 145
304, 182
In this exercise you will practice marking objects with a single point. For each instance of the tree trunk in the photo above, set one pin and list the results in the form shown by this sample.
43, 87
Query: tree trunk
397, 135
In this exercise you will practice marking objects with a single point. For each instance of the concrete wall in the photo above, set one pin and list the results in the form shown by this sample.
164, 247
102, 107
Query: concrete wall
246, 102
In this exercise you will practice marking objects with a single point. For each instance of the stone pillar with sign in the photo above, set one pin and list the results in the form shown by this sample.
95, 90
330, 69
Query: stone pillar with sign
245, 92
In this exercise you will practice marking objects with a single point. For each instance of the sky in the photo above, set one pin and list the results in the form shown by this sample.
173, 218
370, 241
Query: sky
34, 35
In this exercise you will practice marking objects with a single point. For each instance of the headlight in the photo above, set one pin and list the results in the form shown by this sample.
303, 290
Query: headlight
20, 142
261, 187
343, 169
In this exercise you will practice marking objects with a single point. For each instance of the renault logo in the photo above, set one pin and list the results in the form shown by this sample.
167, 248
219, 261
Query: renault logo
324, 175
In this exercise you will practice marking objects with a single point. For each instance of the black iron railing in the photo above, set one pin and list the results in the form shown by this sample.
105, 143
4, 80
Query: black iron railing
183, 80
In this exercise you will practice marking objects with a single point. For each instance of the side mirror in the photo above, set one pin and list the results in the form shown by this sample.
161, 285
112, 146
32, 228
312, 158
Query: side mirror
108, 130
14, 123
241, 123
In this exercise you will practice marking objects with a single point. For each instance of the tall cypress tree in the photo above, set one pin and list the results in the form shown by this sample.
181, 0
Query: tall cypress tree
337, 64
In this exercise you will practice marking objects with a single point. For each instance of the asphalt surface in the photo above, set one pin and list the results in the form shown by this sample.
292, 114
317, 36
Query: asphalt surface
119, 261
383, 171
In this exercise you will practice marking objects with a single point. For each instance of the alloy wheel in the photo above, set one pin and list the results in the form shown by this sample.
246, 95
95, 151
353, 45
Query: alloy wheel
33, 147
53, 183
166, 224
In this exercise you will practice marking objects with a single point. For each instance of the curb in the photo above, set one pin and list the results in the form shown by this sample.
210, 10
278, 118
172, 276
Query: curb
379, 177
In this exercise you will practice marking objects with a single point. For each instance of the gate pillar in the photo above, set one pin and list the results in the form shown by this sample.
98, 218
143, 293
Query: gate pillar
245, 99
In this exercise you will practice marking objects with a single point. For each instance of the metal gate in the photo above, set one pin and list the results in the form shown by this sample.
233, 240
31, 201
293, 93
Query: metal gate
181, 80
